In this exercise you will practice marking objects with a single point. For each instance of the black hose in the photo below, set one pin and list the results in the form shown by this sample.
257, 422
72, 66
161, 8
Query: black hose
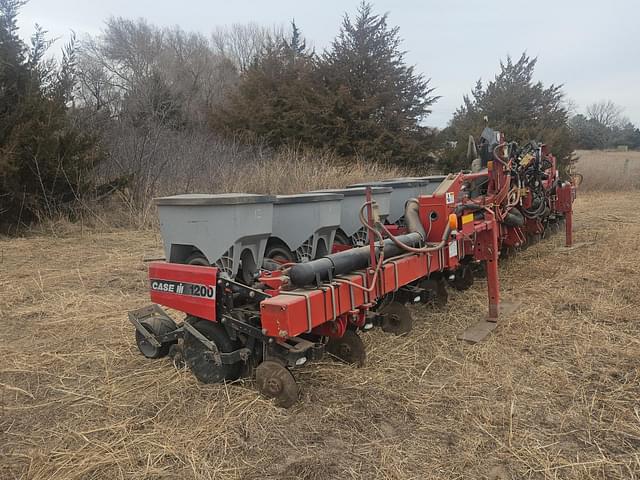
302, 274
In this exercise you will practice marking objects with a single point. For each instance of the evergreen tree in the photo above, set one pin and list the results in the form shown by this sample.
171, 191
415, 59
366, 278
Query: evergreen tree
628, 135
588, 133
43, 156
378, 100
604, 127
278, 96
358, 98
516, 105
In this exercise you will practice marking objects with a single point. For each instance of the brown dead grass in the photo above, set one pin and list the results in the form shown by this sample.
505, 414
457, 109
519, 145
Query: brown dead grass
283, 172
554, 393
609, 170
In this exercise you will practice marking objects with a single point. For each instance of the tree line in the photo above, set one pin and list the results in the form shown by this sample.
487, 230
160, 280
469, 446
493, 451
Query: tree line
160, 109
604, 126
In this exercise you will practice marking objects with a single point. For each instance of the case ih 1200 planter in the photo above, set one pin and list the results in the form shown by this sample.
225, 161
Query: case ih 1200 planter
262, 295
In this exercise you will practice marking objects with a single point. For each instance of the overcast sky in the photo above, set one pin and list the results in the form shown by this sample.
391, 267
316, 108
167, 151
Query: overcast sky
592, 47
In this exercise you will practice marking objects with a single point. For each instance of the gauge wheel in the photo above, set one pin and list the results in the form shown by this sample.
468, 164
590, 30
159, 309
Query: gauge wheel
200, 359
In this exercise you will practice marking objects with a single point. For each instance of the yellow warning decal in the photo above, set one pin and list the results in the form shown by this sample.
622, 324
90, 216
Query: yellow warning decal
467, 218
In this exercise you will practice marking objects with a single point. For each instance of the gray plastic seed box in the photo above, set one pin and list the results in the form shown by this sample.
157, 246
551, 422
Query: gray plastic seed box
354, 199
307, 223
403, 189
229, 228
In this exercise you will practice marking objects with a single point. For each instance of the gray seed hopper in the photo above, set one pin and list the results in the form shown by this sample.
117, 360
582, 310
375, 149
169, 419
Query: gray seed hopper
307, 223
229, 229
354, 198
404, 189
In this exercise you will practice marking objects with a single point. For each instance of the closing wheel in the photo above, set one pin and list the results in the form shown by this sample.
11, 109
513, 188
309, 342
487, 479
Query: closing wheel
463, 278
396, 319
201, 360
156, 326
348, 348
276, 381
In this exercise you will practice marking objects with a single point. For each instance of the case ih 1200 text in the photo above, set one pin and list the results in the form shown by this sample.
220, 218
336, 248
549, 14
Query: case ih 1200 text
270, 283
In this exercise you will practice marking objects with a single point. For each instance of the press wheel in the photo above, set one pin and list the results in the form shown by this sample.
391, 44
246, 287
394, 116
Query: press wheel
276, 381
396, 319
156, 326
348, 348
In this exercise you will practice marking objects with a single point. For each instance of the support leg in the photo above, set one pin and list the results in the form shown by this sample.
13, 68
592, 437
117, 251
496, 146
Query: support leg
493, 281
479, 331
568, 216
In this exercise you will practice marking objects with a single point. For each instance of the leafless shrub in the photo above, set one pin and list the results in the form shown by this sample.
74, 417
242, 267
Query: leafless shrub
157, 160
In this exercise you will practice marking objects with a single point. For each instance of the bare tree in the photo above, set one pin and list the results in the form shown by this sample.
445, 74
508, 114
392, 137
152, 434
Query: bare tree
137, 70
241, 43
606, 113
198, 75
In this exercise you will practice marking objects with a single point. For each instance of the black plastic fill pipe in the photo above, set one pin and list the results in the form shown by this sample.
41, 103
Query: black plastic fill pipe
302, 274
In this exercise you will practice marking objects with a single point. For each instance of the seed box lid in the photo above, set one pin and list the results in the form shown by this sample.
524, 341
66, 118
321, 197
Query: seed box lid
192, 199
347, 192
307, 198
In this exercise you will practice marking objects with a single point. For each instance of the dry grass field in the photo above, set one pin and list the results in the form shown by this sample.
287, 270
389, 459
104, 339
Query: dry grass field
554, 393
609, 170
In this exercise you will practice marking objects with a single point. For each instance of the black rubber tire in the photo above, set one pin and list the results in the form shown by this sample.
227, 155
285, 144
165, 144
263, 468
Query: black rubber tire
348, 348
197, 258
279, 252
533, 238
342, 239
396, 319
196, 354
463, 278
440, 295
157, 326
276, 382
